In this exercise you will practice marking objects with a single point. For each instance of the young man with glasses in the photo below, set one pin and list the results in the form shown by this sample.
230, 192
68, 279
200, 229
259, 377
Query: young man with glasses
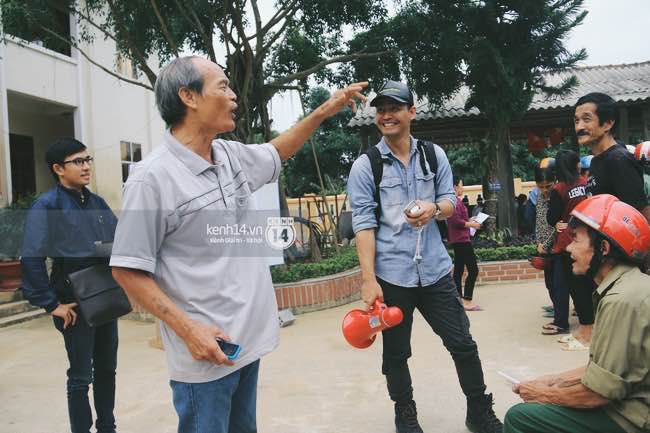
66, 223
402, 257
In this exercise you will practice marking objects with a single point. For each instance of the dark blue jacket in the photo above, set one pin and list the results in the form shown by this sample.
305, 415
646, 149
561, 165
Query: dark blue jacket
64, 225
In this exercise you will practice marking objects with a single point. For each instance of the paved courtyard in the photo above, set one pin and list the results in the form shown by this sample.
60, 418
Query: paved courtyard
314, 382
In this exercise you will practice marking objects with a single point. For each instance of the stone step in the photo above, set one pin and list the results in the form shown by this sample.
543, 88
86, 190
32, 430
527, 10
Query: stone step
11, 308
10, 296
22, 317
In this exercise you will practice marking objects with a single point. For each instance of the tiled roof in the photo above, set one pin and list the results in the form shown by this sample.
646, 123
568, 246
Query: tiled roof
624, 83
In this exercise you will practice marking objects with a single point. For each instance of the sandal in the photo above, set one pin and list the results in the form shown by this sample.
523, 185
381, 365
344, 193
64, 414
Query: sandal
551, 329
566, 338
574, 346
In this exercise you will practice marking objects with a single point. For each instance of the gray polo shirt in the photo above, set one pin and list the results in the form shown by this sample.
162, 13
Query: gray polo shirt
169, 199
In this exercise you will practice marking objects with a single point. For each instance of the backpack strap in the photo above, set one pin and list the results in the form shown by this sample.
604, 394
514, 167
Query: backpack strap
428, 150
427, 154
377, 165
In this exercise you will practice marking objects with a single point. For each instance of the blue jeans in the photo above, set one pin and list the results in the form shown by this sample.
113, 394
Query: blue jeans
226, 405
92, 354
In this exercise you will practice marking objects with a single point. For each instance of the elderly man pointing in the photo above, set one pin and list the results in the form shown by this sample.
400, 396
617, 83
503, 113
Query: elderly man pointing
202, 292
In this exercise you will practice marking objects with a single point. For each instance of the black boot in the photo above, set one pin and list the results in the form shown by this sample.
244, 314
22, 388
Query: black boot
481, 417
406, 418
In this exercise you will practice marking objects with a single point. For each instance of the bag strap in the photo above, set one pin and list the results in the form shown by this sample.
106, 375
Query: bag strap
428, 150
377, 166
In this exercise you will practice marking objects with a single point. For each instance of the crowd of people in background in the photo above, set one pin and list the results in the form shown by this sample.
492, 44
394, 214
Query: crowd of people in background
589, 217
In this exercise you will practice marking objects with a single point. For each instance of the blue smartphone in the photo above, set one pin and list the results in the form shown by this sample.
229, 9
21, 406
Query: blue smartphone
231, 350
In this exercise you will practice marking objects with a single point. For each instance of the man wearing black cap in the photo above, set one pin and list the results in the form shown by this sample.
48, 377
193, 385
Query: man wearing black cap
396, 190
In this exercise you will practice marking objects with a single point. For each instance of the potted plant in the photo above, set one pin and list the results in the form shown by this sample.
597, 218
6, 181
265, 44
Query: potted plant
12, 222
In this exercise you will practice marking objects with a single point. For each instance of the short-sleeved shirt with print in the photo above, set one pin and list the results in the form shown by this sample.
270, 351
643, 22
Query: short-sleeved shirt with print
619, 354
174, 201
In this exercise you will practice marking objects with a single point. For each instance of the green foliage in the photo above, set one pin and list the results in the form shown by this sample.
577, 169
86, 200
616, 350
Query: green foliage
466, 162
346, 259
512, 45
12, 224
423, 44
24, 22
337, 147
263, 55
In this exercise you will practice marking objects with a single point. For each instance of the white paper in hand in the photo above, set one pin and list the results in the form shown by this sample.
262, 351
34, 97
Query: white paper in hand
479, 218
509, 378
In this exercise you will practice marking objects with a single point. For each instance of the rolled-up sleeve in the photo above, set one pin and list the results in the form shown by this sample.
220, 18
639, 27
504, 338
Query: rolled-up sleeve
617, 359
444, 178
140, 229
361, 191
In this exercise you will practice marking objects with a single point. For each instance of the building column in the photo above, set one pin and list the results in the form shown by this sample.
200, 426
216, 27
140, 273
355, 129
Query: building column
5, 156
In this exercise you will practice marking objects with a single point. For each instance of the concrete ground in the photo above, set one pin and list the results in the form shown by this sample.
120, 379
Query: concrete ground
314, 382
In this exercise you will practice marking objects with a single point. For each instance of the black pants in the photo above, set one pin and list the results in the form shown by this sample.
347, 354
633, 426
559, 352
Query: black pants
92, 353
464, 257
566, 284
441, 307
580, 290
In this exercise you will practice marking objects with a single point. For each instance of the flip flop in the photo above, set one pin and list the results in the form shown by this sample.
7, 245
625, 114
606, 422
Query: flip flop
547, 308
549, 329
574, 346
474, 308
566, 338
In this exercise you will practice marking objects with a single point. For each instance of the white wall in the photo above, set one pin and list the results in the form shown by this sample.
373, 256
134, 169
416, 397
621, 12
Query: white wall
113, 111
42, 73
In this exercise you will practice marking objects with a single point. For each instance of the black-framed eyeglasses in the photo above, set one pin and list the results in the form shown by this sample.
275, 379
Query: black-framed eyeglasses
79, 162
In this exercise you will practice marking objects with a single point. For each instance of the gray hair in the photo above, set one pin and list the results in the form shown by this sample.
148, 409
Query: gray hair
180, 72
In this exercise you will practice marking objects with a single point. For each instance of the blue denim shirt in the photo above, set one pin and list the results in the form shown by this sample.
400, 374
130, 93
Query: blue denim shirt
61, 225
396, 239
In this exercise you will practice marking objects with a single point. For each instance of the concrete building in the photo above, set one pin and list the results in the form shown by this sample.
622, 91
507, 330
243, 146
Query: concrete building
47, 93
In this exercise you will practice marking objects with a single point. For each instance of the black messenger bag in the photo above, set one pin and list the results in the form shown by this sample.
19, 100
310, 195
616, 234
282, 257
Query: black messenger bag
100, 298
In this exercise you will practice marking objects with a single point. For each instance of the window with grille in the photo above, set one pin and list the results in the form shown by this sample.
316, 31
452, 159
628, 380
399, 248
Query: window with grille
130, 153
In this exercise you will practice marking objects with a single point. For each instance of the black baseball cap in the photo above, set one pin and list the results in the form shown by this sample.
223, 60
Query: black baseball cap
395, 90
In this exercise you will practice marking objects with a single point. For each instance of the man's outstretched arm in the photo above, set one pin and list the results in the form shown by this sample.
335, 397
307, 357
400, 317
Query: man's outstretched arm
290, 141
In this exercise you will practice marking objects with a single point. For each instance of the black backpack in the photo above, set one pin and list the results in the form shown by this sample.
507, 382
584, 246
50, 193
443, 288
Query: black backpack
427, 150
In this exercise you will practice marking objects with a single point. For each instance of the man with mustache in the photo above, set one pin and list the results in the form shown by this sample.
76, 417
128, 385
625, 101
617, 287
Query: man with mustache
613, 169
164, 259
611, 394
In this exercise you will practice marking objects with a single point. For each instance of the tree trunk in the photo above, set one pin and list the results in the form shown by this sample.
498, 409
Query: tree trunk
487, 151
506, 196
489, 206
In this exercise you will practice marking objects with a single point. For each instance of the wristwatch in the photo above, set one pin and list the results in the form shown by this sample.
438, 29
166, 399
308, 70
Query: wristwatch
438, 212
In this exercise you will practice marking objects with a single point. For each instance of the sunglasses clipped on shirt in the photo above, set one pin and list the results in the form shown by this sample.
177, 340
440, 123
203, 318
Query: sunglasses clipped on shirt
79, 162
